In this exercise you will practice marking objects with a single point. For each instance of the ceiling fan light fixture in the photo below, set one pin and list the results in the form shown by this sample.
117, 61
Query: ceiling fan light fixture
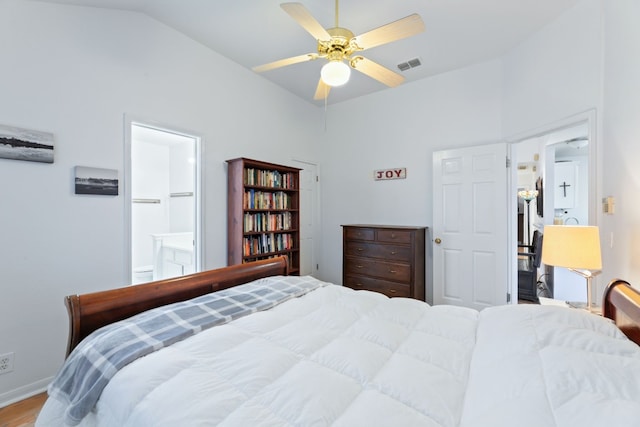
335, 73
341, 48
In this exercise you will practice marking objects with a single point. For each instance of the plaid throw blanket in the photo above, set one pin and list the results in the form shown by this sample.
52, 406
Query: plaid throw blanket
98, 357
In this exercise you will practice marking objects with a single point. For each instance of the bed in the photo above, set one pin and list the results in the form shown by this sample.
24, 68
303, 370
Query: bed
284, 350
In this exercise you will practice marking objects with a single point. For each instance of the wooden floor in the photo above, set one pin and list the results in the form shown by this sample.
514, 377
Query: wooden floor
23, 413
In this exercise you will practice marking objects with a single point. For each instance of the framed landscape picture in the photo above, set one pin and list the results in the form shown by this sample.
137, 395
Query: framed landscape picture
96, 181
24, 144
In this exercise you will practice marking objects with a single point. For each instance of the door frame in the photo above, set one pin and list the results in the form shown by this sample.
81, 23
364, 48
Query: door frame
317, 226
199, 232
588, 117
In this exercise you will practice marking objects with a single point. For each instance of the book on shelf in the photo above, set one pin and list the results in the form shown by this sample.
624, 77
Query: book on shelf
255, 199
266, 243
268, 221
268, 178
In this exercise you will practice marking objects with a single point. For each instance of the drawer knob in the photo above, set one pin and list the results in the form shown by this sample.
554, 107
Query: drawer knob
360, 249
392, 271
392, 291
359, 266
358, 285
393, 252
393, 235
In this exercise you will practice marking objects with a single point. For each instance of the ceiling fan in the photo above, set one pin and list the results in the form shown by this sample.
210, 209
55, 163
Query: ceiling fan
341, 48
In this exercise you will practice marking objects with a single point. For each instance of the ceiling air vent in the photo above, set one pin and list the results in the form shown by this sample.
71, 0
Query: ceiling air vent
412, 63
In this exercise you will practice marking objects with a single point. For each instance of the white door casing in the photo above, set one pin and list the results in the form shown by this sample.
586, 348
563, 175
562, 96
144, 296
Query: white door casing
194, 198
470, 226
309, 217
551, 135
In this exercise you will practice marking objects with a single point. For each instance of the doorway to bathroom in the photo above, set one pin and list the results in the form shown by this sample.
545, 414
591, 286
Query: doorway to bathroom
163, 202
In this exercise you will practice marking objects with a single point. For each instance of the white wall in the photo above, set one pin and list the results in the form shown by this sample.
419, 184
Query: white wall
400, 128
580, 210
75, 72
150, 179
556, 73
621, 149
580, 62
181, 209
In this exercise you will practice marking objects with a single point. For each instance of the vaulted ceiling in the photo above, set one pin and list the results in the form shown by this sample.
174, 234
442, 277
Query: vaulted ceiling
458, 33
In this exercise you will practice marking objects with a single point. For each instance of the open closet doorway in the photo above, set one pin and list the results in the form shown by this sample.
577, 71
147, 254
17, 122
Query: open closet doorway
559, 162
309, 217
163, 197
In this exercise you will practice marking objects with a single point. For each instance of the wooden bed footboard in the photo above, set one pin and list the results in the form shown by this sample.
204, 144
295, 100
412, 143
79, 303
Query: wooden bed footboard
91, 311
88, 312
621, 303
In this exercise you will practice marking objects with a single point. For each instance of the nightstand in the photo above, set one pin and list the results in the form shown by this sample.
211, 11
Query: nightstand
597, 310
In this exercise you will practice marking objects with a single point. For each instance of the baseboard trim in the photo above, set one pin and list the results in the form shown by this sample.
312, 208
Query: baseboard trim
24, 392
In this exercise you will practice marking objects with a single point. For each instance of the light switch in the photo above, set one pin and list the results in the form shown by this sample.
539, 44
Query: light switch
608, 205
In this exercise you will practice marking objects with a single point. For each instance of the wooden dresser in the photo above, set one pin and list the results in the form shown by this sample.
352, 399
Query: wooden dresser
386, 259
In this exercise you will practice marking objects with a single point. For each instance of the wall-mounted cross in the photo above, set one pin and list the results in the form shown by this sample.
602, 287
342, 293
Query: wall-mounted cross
564, 186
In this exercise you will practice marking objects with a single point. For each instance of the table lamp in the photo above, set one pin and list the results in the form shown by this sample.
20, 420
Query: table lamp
576, 248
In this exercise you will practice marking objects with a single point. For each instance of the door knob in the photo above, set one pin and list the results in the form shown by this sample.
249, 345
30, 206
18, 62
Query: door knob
438, 240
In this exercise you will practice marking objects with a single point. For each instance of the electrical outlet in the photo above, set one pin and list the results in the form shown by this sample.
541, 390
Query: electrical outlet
6, 363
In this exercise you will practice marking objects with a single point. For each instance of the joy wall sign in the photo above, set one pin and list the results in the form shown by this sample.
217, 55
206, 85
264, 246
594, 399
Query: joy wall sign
386, 174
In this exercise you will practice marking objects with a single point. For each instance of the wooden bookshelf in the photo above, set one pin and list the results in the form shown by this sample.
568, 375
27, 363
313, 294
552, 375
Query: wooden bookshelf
263, 212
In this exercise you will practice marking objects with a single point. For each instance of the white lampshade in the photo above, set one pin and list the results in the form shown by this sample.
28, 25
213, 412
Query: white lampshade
572, 246
528, 194
335, 73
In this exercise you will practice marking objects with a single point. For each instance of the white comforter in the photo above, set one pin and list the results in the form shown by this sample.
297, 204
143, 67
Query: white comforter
345, 358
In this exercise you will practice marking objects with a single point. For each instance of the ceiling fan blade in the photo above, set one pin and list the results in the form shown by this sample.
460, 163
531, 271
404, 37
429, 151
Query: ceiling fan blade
302, 16
322, 91
400, 29
376, 71
285, 62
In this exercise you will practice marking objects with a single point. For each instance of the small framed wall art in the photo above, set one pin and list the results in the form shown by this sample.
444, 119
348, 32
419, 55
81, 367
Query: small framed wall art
98, 181
24, 144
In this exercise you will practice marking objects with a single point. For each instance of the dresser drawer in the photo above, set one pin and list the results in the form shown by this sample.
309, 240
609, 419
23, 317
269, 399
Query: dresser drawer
398, 272
390, 289
384, 258
388, 252
394, 236
357, 233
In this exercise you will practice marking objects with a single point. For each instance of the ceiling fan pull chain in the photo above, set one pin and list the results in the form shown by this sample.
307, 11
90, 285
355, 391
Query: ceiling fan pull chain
337, 14
326, 95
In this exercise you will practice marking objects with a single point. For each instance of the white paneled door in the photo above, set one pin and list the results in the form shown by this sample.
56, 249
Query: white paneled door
470, 226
